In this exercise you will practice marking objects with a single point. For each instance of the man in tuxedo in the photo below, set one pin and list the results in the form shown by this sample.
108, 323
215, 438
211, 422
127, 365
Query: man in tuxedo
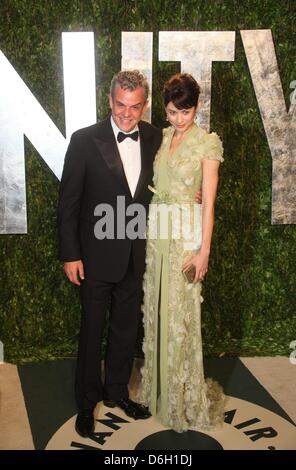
109, 159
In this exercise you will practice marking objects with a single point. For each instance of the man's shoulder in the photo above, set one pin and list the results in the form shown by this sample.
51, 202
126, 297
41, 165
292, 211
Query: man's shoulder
149, 130
93, 130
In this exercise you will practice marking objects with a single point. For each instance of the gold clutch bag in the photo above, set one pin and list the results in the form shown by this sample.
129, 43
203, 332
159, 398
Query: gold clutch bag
189, 273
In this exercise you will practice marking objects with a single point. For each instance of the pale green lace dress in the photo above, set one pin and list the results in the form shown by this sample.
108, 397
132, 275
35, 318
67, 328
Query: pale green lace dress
173, 384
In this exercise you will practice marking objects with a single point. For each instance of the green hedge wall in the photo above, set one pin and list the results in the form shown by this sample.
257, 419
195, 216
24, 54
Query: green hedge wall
250, 289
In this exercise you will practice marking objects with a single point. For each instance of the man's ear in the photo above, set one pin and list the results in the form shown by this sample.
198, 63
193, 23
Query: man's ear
110, 101
146, 104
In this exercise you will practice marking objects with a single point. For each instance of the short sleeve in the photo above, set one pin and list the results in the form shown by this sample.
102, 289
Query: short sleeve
213, 149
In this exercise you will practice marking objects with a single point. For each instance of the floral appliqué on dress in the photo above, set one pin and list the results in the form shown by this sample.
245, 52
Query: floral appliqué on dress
173, 383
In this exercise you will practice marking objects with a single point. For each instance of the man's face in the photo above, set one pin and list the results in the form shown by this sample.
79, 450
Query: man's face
127, 107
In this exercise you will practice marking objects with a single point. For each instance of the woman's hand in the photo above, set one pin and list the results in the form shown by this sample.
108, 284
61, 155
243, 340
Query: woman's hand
198, 197
201, 262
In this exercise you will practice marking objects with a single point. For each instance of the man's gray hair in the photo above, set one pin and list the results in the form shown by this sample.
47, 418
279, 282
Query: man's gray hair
129, 80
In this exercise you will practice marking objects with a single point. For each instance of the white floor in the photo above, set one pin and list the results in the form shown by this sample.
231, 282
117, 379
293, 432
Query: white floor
276, 374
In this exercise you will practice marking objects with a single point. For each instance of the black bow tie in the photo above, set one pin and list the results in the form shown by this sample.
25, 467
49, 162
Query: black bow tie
121, 136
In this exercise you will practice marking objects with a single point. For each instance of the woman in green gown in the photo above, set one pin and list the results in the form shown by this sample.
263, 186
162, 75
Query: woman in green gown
179, 234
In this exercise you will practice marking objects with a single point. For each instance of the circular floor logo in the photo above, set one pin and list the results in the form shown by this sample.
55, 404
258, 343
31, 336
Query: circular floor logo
246, 426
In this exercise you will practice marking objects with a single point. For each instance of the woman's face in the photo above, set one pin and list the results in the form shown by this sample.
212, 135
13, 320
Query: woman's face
181, 119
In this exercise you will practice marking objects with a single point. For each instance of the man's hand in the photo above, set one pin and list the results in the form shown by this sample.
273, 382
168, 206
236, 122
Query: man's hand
73, 269
198, 197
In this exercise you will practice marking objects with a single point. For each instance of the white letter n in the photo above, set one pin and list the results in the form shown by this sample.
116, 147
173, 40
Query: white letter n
21, 114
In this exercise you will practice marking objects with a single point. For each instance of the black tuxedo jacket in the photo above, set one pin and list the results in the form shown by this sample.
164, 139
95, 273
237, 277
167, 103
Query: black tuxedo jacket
93, 174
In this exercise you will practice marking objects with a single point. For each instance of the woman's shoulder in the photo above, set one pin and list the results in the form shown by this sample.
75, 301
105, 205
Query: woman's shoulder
207, 137
208, 144
167, 131
212, 145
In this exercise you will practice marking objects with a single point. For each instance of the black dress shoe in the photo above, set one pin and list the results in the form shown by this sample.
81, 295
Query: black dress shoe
85, 423
131, 409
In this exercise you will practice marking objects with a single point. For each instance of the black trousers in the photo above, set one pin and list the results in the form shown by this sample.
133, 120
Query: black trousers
123, 300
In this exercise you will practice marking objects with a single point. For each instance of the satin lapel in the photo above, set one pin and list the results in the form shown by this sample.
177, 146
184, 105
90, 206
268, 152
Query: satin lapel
146, 162
107, 147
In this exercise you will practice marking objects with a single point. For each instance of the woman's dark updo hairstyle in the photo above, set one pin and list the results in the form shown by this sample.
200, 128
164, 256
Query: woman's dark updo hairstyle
182, 90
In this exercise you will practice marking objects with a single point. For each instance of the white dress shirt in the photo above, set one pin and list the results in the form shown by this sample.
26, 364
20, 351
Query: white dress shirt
130, 154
